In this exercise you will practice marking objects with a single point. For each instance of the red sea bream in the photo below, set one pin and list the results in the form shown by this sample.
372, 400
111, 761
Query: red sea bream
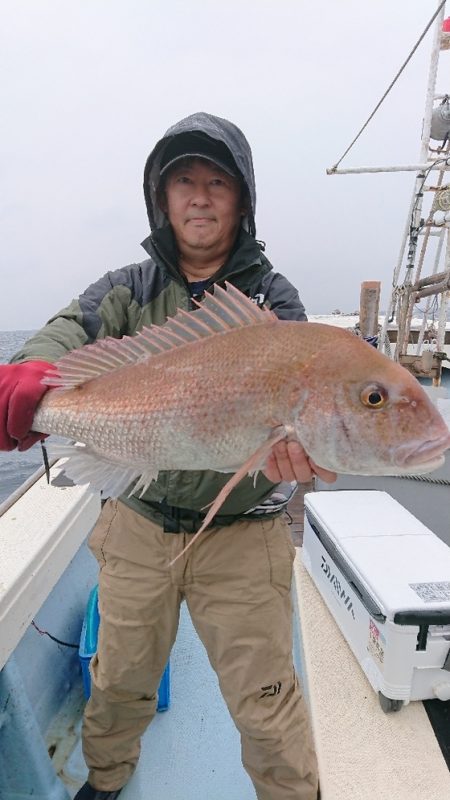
217, 387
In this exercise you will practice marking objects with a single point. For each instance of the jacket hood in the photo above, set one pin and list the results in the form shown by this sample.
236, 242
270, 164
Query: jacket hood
216, 128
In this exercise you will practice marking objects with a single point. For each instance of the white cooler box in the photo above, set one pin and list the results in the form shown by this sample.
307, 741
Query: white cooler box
385, 577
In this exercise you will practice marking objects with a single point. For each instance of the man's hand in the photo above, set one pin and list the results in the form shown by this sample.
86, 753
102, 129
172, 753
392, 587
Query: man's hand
289, 462
21, 391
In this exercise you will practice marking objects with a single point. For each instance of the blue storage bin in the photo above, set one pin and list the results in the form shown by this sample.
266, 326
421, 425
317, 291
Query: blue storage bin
88, 648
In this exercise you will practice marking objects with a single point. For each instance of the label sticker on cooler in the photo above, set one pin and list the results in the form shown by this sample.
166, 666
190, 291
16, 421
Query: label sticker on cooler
376, 643
438, 592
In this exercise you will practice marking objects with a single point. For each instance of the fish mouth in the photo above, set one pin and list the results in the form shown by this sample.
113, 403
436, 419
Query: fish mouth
427, 457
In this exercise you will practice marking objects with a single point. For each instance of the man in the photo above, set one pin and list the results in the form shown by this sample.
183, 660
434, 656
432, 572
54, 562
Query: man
200, 195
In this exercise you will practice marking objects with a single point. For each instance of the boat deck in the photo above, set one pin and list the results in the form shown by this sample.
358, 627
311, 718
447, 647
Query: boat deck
193, 749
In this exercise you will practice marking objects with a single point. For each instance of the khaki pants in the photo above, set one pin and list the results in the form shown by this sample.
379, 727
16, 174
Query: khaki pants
236, 581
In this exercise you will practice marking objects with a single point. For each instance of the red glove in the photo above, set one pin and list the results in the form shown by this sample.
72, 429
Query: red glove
21, 391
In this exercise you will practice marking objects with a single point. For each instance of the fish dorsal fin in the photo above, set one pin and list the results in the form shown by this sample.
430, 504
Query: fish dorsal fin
218, 313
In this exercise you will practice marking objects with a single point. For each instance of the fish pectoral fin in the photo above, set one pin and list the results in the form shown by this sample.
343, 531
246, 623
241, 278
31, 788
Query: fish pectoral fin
253, 464
85, 465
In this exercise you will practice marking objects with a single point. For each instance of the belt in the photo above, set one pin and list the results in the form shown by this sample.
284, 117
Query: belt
185, 520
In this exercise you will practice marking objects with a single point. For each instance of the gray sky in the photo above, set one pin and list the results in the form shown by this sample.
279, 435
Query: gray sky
88, 86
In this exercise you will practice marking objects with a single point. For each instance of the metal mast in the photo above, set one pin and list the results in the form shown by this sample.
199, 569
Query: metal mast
409, 288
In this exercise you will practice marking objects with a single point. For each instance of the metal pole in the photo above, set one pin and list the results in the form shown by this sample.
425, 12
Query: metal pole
442, 322
431, 84
427, 307
392, 168
434, 290
444, 299
417, 199
436, 277
398, 266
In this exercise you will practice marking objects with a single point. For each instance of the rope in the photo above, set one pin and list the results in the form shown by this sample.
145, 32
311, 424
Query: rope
426, 479
334, 168
53, 638
387, 346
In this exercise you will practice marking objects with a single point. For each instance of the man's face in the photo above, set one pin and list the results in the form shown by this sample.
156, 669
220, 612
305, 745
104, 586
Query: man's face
204, 206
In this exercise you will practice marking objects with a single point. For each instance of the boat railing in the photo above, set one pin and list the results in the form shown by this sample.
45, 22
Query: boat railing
20, 491
42, 527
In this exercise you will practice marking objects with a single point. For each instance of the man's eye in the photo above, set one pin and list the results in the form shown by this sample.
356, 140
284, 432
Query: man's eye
183, 179
217, 182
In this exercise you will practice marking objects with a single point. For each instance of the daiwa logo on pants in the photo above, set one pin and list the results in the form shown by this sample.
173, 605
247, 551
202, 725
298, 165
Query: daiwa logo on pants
270, 691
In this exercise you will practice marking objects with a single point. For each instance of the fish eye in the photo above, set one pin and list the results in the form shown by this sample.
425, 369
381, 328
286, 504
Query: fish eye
374, 396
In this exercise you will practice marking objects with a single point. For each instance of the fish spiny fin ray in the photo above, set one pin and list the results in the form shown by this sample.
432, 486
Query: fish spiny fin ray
255, 462
86, 466
220, 312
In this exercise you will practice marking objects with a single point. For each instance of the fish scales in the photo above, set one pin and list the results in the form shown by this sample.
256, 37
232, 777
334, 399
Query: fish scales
194, 407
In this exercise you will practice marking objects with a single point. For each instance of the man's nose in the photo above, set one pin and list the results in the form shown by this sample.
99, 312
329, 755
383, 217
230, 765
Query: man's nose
200, 196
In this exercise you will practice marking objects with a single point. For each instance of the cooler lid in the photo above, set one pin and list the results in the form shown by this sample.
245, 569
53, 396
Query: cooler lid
365, 513
402, 564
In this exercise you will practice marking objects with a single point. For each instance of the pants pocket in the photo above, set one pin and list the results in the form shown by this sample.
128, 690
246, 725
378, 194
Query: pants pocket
280, 553
101, 530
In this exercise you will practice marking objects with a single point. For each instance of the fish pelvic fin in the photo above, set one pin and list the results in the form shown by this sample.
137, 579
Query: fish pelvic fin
254, 463
86, 466
218, 313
